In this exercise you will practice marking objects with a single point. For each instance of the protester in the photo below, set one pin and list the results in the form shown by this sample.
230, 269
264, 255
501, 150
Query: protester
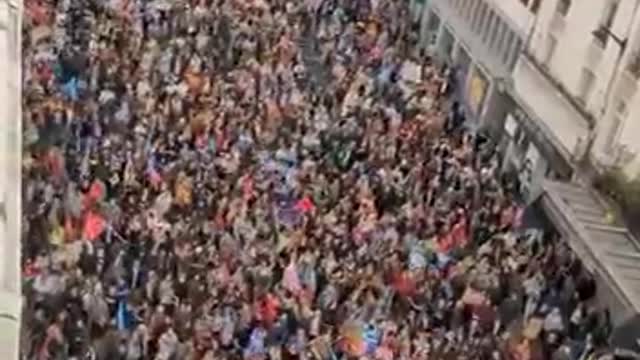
270, 179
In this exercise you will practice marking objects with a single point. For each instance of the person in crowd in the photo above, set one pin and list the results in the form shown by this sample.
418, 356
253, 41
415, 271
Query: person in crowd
271, 179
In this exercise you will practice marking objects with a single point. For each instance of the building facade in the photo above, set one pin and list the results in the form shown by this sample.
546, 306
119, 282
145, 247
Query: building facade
558, 86
10, 176
485, 40
589, 54
555, 80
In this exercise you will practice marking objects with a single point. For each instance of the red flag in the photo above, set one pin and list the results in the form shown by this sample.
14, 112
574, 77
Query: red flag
445, 243
404, 283
459, 233
305, 205
97, 190
94, 226
247, 187
95, 194
268, 309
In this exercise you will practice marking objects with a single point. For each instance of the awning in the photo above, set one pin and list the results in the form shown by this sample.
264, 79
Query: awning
606, 248
626, 337
561, 119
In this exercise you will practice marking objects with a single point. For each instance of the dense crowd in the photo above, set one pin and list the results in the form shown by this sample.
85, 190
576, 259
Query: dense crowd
270, 179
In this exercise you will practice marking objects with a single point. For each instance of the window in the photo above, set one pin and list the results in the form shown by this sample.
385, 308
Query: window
535, 6
515, 53
508, 47
433, 24
618, 118
610, 14
458, 5
495, 31
563, 7
587, 80
634, 64
502, 38
479, 20
13, 35
468, 9
602, 36
475, 13
521, 140
552, 43
486, 27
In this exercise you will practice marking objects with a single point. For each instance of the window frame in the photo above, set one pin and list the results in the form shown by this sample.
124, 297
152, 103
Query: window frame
535, 6
564, 7
587, 85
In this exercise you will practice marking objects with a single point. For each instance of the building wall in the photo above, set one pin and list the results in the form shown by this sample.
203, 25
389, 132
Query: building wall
575, 57
10, 176
580, 83
483, 39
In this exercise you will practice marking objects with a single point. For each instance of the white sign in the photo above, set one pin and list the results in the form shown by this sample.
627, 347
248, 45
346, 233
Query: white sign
510, 126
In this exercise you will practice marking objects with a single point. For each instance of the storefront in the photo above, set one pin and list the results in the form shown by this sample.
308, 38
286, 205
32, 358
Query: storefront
530, 153
607, 249
450, 38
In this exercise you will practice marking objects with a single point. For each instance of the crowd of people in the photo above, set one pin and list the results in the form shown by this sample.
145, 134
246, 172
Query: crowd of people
272, 179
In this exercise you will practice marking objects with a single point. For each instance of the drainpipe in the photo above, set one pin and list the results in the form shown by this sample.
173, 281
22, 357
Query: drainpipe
593, 130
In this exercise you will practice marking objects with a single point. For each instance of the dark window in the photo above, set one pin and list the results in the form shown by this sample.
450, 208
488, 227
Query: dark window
480, 18
515, 54
487, 25
612, 10
535, 6
508, 47
563, 7
497, 28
